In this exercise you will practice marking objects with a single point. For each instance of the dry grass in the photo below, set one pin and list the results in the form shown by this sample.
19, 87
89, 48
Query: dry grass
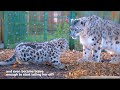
73, 69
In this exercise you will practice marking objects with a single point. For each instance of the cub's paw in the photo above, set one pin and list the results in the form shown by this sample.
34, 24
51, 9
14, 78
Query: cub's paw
84, 60
105, 60
115, 61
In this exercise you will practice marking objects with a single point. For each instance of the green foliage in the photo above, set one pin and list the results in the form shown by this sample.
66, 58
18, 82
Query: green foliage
61, 30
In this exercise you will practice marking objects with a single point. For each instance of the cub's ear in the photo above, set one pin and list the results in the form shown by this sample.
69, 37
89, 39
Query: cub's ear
93, 16
61, 42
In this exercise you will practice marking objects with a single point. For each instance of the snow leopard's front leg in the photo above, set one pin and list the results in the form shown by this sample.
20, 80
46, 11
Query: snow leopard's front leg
86, 54
97, 51
54, 59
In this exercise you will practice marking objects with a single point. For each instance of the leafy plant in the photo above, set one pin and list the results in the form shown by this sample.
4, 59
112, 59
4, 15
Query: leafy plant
61, 30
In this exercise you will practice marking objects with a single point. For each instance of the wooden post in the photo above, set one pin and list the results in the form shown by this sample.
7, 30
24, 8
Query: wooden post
5, 28
71, 41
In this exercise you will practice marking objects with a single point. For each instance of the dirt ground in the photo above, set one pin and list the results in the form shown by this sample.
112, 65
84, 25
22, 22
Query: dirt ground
73, 69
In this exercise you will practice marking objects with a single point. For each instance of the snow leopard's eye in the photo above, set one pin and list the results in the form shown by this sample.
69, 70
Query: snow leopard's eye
82, 23
75, 22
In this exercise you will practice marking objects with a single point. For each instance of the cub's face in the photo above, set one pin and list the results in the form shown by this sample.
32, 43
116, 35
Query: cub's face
60, 43
63, 44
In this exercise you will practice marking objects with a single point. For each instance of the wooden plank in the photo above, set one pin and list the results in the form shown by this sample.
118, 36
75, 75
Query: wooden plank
100, 77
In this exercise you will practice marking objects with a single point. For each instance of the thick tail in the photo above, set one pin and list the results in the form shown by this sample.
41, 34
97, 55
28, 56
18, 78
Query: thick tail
8, 61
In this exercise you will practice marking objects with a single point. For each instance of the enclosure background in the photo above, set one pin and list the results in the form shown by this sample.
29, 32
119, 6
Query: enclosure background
40, 26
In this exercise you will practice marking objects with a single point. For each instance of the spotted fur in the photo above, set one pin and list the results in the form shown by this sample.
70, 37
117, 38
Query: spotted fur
29, 52
95, 35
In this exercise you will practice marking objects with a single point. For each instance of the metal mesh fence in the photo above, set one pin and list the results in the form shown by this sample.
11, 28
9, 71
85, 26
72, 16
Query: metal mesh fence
40, 26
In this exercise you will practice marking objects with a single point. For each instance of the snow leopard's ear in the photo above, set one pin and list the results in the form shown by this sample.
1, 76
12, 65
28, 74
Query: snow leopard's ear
74, 21
61, 41
93, 17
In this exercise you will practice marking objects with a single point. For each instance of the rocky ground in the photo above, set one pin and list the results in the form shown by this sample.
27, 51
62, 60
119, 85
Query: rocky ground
73, 69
